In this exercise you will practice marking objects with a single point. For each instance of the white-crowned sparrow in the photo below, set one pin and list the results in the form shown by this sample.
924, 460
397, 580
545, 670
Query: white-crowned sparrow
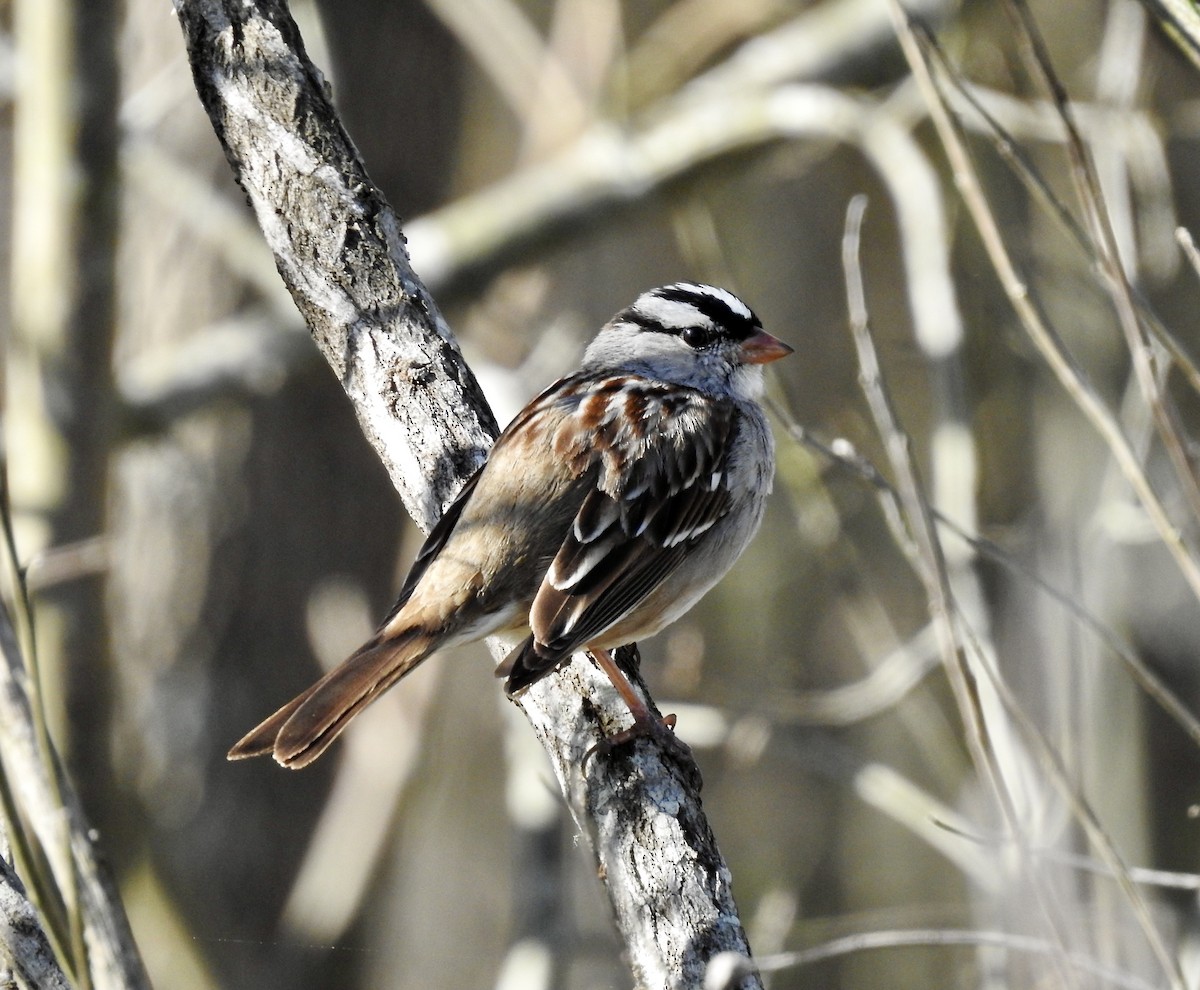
607, 508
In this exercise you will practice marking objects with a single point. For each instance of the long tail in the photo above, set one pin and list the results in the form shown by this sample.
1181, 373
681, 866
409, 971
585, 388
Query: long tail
303, 728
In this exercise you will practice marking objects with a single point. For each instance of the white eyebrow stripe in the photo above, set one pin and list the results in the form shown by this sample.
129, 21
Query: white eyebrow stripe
715, 292
669, 314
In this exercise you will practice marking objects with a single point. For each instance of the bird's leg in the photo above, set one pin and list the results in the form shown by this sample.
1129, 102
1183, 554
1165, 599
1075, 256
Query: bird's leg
645, 722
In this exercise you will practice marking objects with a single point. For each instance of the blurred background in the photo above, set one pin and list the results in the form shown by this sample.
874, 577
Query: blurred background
206, 528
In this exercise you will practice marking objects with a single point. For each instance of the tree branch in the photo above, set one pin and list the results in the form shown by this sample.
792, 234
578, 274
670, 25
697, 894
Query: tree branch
23, 942
340, 250
57, 834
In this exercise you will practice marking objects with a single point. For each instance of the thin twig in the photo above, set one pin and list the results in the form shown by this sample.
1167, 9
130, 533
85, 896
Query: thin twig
59, 906
930, 562
1047, 342
55, 842
1167, 879
841, 453
1022, 166
1183, 237
937, 937
1087, 185
1180, 19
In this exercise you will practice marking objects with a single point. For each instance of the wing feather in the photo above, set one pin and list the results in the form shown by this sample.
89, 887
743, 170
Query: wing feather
437, 538
634, 528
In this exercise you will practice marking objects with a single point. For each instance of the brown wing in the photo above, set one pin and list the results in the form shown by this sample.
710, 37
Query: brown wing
437, 538
470, 544
516, 484
638, 522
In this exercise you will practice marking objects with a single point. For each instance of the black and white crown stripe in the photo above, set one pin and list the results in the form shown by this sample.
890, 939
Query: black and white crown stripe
682, 305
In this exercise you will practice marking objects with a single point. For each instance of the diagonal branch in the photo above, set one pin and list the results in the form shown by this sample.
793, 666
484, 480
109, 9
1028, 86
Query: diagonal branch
340, 250
341, 253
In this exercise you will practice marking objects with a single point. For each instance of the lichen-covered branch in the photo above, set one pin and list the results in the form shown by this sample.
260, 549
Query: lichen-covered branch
341, 253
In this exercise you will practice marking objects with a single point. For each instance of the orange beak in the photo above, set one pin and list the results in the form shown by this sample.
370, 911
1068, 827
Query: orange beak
763, 348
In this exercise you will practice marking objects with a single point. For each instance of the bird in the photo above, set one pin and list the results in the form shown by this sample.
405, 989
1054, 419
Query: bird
609, 505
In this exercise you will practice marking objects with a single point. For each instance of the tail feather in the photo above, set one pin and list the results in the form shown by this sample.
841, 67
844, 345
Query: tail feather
260, 740
304, 728
525, 665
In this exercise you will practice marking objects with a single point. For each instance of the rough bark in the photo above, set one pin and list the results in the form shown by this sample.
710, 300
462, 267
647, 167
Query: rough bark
23, 942
340, 250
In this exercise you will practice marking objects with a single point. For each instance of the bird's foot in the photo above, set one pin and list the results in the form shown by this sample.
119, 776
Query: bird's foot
661, 730
646, 725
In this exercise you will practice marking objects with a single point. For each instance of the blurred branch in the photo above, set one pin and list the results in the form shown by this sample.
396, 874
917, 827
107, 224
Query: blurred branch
1105, 248
583, 42
341, 253
54, 843
241, 357
1072, 379
819, 41
608, 167
1184, 237
210, 218
1166, 879
893, 677
1047, 342
507, 47
943, 937
68, 562
690, 33
813, 706
1180, 19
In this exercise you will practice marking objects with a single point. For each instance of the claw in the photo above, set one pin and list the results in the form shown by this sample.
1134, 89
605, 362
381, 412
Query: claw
660, 729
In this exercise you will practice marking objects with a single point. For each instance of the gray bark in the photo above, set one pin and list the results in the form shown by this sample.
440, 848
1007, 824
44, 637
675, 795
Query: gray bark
23, 942
341, 252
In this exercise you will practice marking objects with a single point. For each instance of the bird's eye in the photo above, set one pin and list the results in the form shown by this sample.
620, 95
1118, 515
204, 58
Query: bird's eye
696, 337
